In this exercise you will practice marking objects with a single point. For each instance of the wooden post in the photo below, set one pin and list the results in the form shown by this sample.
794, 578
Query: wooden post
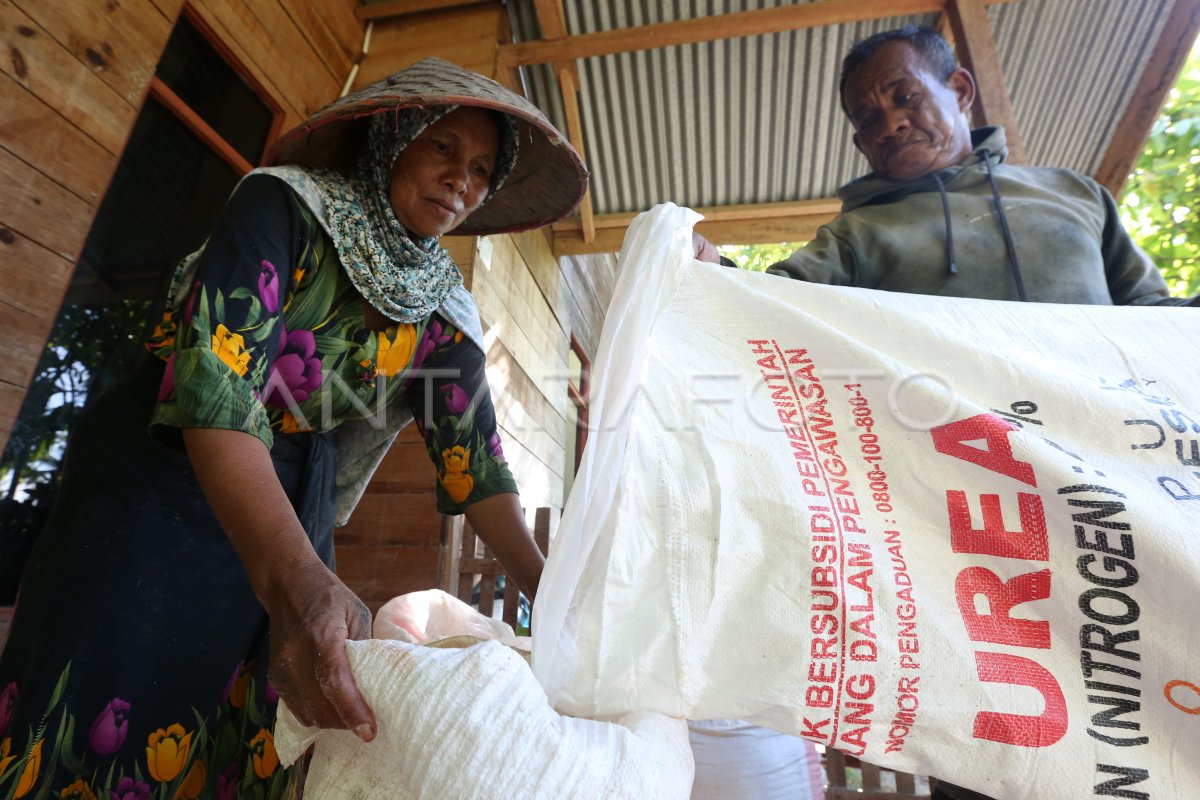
977, 52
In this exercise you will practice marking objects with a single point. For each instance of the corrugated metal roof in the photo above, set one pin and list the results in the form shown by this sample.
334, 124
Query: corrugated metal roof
757, 119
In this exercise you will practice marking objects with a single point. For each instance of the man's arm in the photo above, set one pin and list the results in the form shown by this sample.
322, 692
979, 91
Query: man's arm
826, 259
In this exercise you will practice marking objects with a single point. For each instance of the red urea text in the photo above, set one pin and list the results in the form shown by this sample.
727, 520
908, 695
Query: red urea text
997, 625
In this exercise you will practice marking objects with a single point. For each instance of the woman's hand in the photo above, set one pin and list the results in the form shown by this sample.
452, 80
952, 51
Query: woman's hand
312, 612
312, 615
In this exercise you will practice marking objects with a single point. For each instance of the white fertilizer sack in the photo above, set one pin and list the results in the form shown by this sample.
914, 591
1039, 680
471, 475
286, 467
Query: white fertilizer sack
955, 537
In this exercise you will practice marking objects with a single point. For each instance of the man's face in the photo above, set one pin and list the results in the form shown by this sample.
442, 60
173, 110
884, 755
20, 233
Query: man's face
907, 121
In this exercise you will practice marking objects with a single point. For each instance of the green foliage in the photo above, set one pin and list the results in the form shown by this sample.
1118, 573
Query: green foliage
1161, 204
757, 257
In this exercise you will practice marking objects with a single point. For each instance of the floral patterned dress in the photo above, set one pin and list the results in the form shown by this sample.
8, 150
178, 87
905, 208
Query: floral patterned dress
136, 662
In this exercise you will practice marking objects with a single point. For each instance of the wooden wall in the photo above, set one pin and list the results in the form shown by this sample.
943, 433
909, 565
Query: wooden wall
72, 80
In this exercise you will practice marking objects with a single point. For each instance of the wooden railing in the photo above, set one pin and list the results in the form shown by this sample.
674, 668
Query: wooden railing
836, 765
471, 562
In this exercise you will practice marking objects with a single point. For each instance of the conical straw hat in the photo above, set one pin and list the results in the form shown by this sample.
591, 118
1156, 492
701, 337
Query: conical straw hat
546, 184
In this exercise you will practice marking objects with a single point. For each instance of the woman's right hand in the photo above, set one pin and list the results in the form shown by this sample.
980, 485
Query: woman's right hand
312, 615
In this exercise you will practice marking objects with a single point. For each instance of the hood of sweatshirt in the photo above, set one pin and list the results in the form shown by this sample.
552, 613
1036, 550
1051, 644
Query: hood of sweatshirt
988, 149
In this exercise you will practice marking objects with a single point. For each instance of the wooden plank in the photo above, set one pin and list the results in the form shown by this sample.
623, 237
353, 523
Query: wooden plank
394, 518
870, 776
520, 403
534, 249
480, 566
119, 42
511, 305
468, 37
46, 68
24, 337
462, 253
570, 101
609, 240
586, 329
822, 207
41, 210
312, 24
1167, 58
743, 224
448, 561
476, 55
220, 18
447, 29
551, 18
33, 132
32, 279
11, 397
381, 573
341, 17
976, 45
170, 9
406, 467
541, 484
292, 74
400, 8
321, 82
487, 594
511, 604
715, 27
541, 529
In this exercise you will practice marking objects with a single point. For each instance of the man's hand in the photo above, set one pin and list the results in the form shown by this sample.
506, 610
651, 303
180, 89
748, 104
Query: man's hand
704, 250
312, 615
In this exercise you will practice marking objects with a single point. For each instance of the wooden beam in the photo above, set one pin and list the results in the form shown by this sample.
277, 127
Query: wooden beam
1167, 57
763, 223
712, 28
570, 99
551, 18
184, 113
400, 8
977, 52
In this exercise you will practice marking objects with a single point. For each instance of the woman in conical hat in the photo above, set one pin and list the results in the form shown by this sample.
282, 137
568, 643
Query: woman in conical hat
184, 582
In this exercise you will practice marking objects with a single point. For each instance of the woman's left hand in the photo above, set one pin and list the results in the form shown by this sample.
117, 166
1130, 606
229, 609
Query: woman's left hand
312, 615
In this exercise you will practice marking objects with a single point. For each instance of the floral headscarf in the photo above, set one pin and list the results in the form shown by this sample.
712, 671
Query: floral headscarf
404, 277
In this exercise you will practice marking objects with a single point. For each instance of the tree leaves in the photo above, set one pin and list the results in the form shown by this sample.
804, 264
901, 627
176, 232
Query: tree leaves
1161, 204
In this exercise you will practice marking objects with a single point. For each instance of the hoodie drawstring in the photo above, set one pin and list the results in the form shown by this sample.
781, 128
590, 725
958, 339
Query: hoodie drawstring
949, 227
1013, 264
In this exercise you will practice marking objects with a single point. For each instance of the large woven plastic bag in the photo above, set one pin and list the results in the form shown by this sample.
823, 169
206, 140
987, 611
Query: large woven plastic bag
956, 537
472, 723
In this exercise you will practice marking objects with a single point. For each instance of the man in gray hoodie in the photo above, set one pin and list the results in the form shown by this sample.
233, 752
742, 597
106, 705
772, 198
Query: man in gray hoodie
940, 212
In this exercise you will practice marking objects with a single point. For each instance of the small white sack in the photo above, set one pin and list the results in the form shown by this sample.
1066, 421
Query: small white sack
954, 537
473, 724
424, 617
